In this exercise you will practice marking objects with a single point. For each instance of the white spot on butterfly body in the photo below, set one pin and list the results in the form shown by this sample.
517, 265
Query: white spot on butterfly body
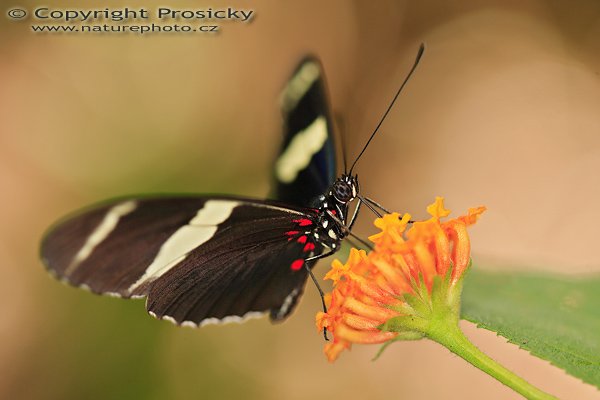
108, 224
198, 231
300, 150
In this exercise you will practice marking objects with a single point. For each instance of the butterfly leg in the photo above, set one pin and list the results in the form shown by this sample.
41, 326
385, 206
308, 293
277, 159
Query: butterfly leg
348, 231
355, 214
319, 256
374, 203
314, 279
371, 205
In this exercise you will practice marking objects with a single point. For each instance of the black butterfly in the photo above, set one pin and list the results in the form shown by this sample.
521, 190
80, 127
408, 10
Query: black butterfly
208, 259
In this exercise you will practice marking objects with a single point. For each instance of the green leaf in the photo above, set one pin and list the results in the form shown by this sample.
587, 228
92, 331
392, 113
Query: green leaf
555, 318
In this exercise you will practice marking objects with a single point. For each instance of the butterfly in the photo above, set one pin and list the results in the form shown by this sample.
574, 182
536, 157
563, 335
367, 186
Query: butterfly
212, 259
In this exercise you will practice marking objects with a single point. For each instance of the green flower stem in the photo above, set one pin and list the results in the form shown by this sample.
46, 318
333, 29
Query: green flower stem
447, 333
435, 315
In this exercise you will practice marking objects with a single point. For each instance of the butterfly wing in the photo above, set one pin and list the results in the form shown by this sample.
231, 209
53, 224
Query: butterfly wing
306, 166
196, 259
207, 259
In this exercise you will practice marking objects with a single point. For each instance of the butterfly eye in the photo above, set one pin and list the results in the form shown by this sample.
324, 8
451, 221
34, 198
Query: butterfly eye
342, 191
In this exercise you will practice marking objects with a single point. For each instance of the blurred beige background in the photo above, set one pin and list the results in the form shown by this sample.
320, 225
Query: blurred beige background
503, 111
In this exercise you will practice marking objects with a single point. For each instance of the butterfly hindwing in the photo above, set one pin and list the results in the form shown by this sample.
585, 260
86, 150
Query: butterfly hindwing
244, 282
306, 166
195, 258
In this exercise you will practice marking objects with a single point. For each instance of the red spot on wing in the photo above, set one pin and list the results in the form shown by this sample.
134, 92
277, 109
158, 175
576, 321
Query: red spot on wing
291, 233
333, 212
302, 239
309, 247
303, 221
297, 264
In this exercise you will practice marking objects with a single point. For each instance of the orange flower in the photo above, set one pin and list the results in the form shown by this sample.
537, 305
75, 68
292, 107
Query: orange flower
370, 288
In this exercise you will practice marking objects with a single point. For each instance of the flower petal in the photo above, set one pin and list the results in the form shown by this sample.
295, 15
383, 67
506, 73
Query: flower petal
437, 210
369, 289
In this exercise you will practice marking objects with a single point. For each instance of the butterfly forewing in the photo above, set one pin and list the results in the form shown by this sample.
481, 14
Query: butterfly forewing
202, 259
196, 258
110, 247
306, 166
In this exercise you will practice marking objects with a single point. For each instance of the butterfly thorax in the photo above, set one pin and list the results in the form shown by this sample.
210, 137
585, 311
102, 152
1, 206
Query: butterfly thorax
331, 227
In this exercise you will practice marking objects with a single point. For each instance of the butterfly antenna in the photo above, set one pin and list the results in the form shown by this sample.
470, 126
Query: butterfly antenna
340, 125
419, 54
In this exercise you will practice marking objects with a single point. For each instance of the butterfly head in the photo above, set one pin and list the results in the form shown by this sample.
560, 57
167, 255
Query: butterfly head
345, 188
